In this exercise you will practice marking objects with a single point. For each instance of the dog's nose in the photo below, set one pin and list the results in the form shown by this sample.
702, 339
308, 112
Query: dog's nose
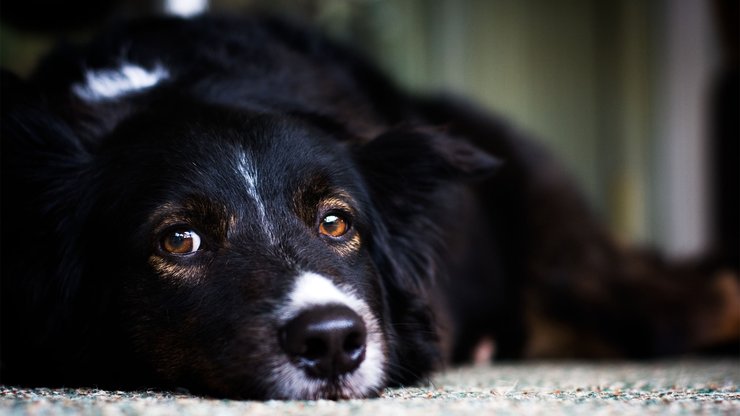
326, 341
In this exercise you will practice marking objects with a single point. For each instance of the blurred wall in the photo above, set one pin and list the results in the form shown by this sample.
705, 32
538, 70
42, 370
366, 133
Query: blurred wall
616, 88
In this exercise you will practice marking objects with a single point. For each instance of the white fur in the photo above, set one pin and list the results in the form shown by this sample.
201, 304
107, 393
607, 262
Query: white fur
109, 84
249, 173
312, 289
185, 8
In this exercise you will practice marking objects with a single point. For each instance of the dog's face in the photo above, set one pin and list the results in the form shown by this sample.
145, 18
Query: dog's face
255, 255
251, 257
241, 249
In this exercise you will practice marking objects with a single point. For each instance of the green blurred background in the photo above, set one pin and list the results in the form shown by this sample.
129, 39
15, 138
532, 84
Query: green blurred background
623, 91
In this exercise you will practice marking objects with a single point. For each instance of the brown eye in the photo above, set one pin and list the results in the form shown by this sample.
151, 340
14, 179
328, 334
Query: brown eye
181, 242
333, 225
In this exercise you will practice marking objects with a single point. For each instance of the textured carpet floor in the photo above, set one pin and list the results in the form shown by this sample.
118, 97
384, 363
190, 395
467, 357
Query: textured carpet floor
666, 387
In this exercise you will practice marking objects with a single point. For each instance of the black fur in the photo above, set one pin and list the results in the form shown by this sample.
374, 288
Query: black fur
456, 245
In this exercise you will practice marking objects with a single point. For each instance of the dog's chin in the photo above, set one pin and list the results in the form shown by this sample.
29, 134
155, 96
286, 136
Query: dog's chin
292, 383
341, 388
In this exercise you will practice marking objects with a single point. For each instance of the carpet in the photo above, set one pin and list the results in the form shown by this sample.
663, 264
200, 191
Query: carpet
571, 388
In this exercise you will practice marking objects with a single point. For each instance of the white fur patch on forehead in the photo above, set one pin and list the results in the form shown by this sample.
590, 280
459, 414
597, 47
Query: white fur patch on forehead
249, 172
108, 84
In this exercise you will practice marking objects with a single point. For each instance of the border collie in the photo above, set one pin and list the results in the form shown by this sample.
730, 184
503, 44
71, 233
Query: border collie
245, 209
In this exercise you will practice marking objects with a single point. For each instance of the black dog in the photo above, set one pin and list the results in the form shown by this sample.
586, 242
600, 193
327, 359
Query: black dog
245, 209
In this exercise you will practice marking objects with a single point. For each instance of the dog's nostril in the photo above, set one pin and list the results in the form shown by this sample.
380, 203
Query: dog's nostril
315, 348
354, 343
327, 341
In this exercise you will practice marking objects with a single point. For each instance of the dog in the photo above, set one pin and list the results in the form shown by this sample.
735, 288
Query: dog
246, 209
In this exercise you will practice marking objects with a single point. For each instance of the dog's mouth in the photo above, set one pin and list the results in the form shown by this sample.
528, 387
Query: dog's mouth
340, 388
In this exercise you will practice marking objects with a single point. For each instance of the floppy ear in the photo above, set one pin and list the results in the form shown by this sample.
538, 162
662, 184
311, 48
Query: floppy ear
410, 173
414, 178
43, 166
32, 132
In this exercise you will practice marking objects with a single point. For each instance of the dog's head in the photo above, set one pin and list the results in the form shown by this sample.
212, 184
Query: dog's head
232, 251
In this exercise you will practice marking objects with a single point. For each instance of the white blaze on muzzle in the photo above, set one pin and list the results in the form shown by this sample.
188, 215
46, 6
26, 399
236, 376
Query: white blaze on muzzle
290, 382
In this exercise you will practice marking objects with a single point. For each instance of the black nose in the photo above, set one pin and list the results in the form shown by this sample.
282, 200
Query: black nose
326, 341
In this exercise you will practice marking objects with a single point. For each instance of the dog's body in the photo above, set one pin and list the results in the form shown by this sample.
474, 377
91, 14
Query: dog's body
245, 209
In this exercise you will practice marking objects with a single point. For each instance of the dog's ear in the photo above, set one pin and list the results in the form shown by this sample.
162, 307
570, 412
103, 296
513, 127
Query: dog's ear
412, 175
42, 155
43, 171
32, 131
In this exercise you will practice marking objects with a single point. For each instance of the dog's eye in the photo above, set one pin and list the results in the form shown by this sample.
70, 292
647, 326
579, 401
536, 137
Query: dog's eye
181, 242
333, 225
